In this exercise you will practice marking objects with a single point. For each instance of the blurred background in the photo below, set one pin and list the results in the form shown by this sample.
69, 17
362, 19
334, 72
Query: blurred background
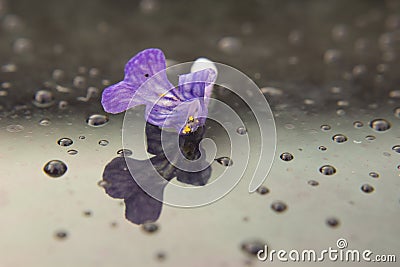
330, 71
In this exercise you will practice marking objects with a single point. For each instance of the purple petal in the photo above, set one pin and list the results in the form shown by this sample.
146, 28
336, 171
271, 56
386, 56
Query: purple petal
117, 98
144, 65
193, 85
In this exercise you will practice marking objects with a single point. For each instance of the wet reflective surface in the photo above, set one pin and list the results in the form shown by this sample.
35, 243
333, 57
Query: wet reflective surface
327, 68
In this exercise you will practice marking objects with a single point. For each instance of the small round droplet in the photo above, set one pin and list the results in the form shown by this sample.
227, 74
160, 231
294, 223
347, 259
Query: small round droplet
241, 130
380, 125
370, 138
278, 206
229, 45
161, 256
396, 148
55, 168
286, 156
327, 170
44, 122
72, 152
262, 190
224, 161
97, 120
103, 142
124, 152
87, 213
367, 188
325, 127
14, 128
397, 112
322, 148
65, 141
252, 247
339, 138
358, 124
150, 227
313, 183
61, 235
103, 183
43, 99
79, 82
332, 222
374, 174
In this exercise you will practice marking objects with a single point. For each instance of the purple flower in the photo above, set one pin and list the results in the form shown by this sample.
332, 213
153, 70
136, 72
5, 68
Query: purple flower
183, 107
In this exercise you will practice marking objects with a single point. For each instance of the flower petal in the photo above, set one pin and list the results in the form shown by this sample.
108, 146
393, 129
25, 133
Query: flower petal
193, 85
117, 98
144, 65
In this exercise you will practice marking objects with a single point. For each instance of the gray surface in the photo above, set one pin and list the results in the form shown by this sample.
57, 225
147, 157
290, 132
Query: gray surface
69, 35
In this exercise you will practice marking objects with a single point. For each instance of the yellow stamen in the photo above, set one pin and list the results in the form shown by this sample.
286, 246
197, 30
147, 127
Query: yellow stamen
186, 129
190, 119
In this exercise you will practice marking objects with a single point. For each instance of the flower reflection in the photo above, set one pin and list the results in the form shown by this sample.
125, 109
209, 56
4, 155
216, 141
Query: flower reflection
119, 183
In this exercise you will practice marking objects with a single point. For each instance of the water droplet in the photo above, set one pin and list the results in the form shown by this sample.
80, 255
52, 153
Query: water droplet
61, 235
44, 122
241, 130
322, 148
367, 188
72, 152
224, 161
79, 82
397, 112
161, 256
103, 183
65, 141
62, 104
150, 227
262, 190
370, 138
313, 183
55, 168
82, 137
286, 156
359, 70
97, 120
252, 247
229, 45
272, 91
358, 124
124, 152
327, 170
94, 72
15, 128
339, 138
103, 142
339, 32
22, 45
325, 127
332, 56
332, 222
87, 213
58, 74
43, 99
279, 206
380, 125
396, 148
374, 174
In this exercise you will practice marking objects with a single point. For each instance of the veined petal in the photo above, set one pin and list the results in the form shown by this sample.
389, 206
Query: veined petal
193, 85
144, 65
117, 98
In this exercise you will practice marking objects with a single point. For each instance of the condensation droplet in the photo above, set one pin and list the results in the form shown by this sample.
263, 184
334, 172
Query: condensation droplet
396, 112
396, 148
62, 104
332, 56
286, 156
380, 125
79, 82
72, 152
374, 174
58, 74
327, 170
44, 122
103, 183
103, 142
370, 138
367, 188
339, 138
43, 99
97, 120
322, 148
22, 45
313, 183
241, 130
252, 247
358, 124
262, 190
278, 206
332, 222
224, 161
61, 235
55, 168
229, 45
150, 227
124, 152
14, 128
65, 141
325, 127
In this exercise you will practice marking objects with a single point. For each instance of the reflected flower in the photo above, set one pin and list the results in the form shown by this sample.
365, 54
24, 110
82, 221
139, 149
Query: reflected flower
183, 107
